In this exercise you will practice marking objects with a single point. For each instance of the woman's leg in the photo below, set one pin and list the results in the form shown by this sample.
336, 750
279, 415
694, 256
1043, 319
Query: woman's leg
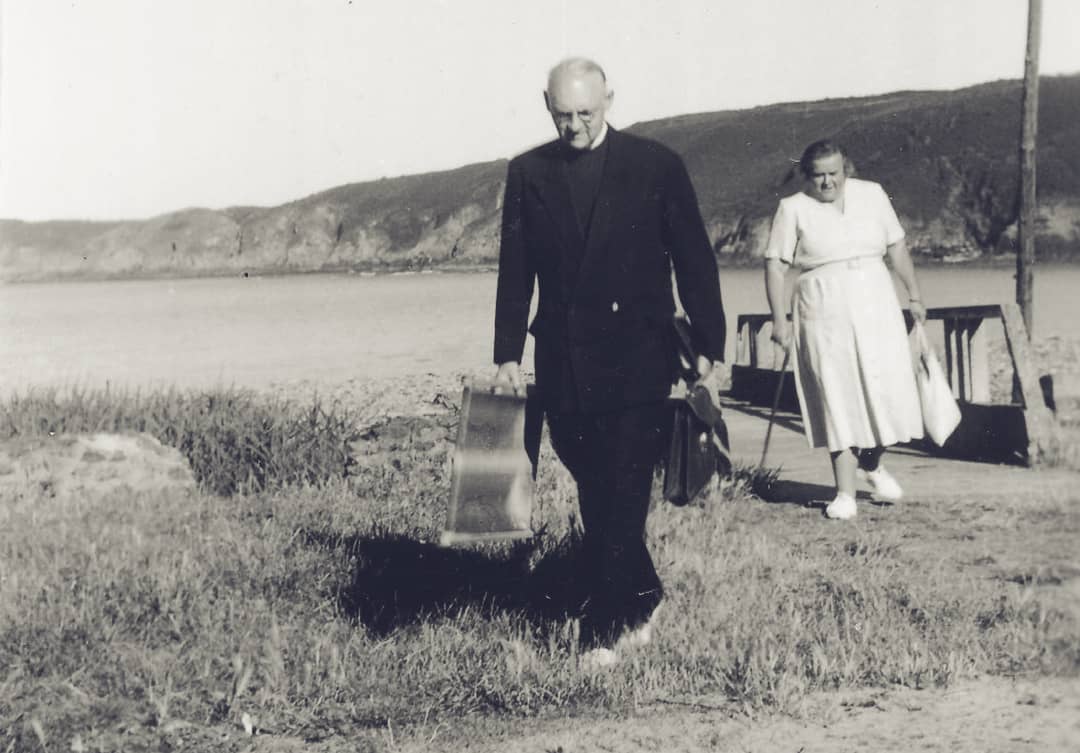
844, 464
882, 483
870, 459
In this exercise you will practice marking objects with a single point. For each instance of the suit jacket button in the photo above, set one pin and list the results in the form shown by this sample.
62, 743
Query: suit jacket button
614, 306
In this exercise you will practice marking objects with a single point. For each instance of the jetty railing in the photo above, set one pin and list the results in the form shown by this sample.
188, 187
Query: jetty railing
1001, 428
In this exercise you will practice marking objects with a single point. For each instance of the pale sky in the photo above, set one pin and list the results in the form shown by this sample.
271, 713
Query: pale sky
131, 108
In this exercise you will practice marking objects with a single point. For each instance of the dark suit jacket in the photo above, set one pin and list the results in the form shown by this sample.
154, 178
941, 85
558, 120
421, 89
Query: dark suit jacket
603, 325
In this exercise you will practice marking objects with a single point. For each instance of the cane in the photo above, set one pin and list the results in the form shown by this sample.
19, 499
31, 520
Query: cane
775, 404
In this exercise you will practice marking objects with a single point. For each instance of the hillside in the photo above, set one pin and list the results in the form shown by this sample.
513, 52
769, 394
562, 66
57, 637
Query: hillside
949, 160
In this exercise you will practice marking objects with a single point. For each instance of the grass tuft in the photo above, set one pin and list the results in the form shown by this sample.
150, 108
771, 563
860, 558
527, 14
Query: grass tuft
235, 440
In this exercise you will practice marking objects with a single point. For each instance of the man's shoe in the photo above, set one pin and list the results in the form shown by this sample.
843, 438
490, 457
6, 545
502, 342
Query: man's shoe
841, 508
641, 635
598, 658
883, 485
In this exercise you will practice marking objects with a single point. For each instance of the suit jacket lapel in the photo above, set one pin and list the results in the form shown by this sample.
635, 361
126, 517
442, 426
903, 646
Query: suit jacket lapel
609, 201
553, 187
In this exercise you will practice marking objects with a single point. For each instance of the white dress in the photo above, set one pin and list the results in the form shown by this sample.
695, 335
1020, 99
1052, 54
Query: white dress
853, 362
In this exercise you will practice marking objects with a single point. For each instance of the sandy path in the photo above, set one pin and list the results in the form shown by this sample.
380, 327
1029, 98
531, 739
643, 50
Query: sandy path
988, 715
991, 714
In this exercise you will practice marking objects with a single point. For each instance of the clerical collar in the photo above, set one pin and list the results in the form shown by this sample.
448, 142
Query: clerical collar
599, 139
573, 155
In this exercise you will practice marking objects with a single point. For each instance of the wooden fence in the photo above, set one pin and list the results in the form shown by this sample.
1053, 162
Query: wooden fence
1001, 428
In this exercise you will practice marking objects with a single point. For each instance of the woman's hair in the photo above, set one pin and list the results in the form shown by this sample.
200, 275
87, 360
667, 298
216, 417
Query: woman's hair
819, 150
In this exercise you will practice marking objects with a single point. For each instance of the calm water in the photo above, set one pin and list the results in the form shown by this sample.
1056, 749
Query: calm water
259, 331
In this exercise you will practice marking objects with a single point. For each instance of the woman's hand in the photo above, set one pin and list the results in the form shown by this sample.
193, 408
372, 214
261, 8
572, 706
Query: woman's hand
781, 333
918, 310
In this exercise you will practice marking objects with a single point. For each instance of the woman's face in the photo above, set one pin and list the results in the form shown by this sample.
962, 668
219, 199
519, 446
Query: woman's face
827, 178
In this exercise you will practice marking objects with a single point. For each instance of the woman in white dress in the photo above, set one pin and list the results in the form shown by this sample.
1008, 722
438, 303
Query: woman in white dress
852, 361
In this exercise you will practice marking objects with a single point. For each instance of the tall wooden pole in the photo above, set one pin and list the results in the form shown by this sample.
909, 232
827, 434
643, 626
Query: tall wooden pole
1025, 257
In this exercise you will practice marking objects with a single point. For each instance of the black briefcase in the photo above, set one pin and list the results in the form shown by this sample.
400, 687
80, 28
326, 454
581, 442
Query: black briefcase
699, 446
699, 438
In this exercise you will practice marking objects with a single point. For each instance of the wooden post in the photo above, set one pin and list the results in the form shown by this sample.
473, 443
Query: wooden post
978, 361
1025, 257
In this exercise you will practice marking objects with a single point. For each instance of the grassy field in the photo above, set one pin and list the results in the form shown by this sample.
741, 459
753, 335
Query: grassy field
301, 593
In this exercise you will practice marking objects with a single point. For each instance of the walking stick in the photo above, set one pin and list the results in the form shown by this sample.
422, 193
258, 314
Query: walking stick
775, 404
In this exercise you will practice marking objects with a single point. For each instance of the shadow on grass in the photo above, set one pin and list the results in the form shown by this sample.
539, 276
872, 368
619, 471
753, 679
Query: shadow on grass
807, 495
795, 493
398, 581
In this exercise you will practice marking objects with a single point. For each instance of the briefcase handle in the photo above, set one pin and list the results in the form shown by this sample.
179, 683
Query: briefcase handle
686, 349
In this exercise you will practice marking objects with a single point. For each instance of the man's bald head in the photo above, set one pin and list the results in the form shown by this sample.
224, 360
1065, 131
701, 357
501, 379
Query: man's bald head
575, 67
578, 99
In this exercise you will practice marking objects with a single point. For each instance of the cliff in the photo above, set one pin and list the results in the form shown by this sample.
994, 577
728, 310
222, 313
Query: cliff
948, 159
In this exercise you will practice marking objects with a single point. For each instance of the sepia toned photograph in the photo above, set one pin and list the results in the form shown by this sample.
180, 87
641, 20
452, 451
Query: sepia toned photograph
517, 377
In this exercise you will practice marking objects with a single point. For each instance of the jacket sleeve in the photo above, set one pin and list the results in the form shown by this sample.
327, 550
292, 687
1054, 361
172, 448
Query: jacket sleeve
692, 257
516, 274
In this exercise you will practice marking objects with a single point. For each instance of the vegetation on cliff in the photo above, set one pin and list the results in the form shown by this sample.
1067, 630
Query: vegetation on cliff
949, 160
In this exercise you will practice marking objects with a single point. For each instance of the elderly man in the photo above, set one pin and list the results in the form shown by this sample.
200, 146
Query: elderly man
599, 218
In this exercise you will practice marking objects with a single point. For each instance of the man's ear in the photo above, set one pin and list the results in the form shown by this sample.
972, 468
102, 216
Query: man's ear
547, 101
609, 98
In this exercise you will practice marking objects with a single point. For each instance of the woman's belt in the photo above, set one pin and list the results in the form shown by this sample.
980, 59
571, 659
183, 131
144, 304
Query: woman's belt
852, 262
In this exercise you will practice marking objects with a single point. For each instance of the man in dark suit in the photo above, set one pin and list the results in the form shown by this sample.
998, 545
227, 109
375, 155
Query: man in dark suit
599, 218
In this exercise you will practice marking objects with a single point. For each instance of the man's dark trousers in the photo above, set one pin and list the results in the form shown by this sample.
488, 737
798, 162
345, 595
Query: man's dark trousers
612, 457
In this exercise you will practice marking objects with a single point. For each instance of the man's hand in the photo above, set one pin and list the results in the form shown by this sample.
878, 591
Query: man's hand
508, 380
704, 368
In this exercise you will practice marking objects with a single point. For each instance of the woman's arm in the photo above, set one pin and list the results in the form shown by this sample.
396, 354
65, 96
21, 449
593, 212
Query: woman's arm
905, 270
775, 272
779, 255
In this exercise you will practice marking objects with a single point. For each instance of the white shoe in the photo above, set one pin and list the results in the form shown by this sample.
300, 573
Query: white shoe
841, 508
598, 658
883, 485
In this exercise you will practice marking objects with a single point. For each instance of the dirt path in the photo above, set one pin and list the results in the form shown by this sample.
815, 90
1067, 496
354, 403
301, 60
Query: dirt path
992, 714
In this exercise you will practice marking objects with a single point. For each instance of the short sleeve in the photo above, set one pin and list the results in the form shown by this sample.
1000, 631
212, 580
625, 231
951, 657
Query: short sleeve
894, 232
783, 236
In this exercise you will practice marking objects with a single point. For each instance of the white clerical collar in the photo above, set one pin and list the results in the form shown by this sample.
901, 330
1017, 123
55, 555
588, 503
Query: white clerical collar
599, 139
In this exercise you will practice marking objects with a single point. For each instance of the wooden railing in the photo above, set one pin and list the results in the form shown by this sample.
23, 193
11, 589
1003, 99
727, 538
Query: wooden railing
1006, 430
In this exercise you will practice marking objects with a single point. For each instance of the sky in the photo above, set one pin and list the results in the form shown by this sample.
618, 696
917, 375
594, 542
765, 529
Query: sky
113, 109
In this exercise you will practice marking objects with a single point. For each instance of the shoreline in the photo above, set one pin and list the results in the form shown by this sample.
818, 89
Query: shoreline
923, 261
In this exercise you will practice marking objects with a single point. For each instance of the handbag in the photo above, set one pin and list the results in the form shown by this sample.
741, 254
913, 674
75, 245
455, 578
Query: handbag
492, 467
699, 444
941, 414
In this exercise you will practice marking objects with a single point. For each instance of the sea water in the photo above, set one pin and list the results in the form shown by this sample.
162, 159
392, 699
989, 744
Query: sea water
258, 331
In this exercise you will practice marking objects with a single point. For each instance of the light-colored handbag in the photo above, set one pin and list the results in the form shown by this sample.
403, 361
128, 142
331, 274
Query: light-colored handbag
941, 414
493, 467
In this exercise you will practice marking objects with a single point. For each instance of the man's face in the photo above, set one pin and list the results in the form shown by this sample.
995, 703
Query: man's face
827, 178
578, 103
